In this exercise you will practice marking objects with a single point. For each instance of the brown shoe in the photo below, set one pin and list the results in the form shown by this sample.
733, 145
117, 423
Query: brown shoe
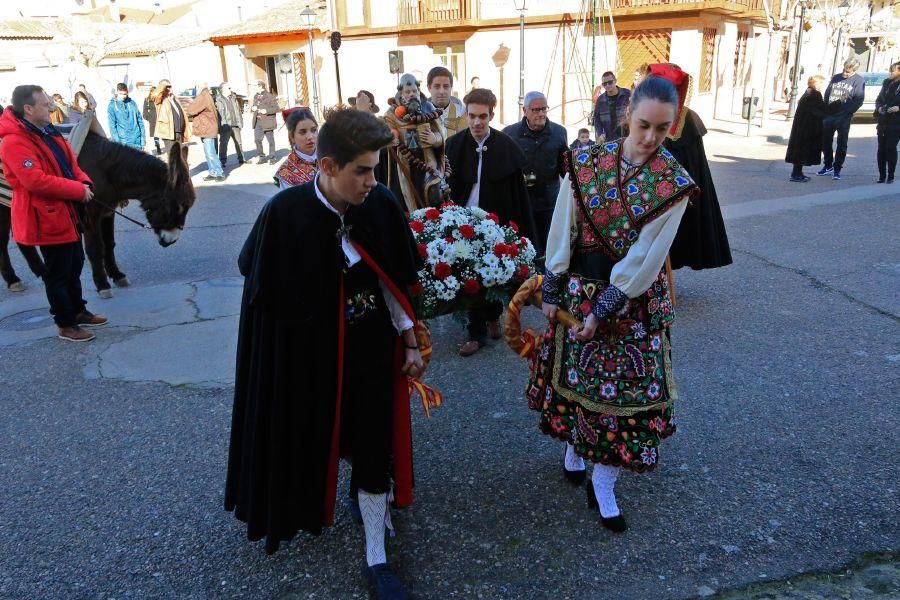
494, 330
89, 319
75, 334
470, 348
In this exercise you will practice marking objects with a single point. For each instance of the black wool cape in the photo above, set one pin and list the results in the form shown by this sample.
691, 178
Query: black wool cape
286, 379
805, 143
502, 189
701, 241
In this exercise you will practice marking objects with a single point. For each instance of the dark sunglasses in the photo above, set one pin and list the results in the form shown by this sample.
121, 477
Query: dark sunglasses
610, 82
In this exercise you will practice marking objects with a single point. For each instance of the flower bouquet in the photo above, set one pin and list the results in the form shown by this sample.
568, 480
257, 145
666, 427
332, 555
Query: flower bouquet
468, 256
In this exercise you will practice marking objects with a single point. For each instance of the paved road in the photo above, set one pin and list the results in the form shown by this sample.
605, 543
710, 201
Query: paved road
112, 454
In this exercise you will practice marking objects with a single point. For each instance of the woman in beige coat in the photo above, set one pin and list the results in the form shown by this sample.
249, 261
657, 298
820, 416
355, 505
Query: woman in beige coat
171, 122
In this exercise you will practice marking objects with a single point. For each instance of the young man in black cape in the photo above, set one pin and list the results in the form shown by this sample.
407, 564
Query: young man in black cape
486, 172
325, 344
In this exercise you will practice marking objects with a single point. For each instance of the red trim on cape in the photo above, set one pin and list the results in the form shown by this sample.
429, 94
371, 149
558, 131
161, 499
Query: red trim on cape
402, 434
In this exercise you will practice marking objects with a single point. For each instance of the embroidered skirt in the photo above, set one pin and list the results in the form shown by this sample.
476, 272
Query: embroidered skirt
612, 397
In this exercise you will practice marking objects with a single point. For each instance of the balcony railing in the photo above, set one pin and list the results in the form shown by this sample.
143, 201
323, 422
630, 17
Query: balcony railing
421, 12
749, 5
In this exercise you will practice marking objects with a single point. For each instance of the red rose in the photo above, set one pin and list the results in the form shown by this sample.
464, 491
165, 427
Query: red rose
514, 225
524, 242
416, 289
432, 214
523, 272
423, 250
512, 250
500, 249
442, 271
417, 226
467, 231
449, 239
494, 218
471, 287
447, 204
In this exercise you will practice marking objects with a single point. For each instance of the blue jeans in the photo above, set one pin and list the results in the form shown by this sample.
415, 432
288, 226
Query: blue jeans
213, 164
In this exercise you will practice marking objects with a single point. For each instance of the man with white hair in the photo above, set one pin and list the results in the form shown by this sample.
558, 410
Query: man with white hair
230, 122
844, 96
544, 144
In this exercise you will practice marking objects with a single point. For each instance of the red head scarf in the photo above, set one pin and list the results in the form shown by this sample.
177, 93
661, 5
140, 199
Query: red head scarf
683, 84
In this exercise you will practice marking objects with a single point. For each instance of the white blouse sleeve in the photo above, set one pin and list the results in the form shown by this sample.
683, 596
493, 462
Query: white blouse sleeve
399, 317
559, 241
635, 273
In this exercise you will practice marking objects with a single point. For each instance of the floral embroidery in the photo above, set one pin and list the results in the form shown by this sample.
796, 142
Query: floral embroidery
648, 456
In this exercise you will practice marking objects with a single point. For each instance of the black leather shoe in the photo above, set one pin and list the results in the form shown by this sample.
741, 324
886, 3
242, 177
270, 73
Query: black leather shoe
386, 584
615, 524
574, 477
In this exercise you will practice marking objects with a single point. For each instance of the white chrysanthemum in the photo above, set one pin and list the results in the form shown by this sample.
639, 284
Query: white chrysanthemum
490, 260
418, 215
462, 250
478, 213
439, 251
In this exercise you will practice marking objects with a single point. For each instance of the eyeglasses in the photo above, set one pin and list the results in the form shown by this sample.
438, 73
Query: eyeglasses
609, 82
539, 109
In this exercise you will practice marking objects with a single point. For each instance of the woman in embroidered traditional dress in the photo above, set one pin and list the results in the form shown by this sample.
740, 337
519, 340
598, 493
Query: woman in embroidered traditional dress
300, 165
606, 387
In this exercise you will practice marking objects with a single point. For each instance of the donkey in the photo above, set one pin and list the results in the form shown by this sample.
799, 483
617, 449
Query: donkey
164, 191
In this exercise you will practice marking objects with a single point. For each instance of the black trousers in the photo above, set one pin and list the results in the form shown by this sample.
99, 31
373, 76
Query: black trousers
62, 281
227, 132
887, 154
179, 137
829, 128
258, 134
479, 316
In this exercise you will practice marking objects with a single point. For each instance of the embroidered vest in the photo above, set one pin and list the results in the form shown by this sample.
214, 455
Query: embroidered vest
295, 171
612, 212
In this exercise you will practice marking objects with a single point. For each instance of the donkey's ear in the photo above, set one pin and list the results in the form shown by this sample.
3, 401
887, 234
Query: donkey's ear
184, 154
174, 152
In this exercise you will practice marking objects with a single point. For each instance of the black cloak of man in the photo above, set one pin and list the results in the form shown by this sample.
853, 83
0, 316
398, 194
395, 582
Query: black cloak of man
701, 241
285, 436
502, 190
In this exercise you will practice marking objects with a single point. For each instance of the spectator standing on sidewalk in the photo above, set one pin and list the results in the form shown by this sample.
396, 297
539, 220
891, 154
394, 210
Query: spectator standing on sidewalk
171, 122
150, 116
92, 102
49, 192
543, 143
583, 141
126, 125
59, 110
231, 119
609, 111
264, 109
887, 111
79, 105
206, 125
844, 95
805, 144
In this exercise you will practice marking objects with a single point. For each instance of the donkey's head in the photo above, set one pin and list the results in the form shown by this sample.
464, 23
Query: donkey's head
167, 211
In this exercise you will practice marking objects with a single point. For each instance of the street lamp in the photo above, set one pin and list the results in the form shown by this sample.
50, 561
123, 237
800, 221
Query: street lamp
308, 16
520, 6
792, 106
843, 10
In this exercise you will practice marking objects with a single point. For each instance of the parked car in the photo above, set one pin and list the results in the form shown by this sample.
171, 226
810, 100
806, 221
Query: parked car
873, 87
187, 96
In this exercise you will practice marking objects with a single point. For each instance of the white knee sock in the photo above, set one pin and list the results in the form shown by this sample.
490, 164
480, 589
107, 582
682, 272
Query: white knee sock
573, 462
374, 509
604, 481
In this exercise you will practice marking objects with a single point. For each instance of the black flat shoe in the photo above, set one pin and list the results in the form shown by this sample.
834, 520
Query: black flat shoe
386, 584
615, 524
574, 477
880, 180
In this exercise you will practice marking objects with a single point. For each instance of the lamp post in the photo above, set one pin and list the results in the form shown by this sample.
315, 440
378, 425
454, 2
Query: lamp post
520, 6
792, 106
308, 16
843, 10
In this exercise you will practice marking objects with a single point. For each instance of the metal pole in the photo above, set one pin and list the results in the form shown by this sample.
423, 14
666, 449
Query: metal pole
337, 74
837, 49
312, 72
521, 62
750, 110
792, 106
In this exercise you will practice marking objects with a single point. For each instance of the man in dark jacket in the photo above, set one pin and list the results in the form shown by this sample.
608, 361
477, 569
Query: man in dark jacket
264, 109
487, 173
609, 111
544, 144
150, 117
49, 190
887, 111
231, 119
126, 125
844, 95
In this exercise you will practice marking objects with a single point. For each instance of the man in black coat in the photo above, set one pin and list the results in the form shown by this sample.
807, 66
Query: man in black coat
805, 144
887, 111
844, 95
487, 172
264, 109
544, 144
325, 343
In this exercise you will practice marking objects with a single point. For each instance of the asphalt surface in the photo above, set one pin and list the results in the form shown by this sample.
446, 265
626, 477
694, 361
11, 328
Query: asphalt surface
784, 462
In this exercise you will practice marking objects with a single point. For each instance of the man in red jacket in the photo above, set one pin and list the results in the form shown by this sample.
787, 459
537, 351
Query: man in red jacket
49, 192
